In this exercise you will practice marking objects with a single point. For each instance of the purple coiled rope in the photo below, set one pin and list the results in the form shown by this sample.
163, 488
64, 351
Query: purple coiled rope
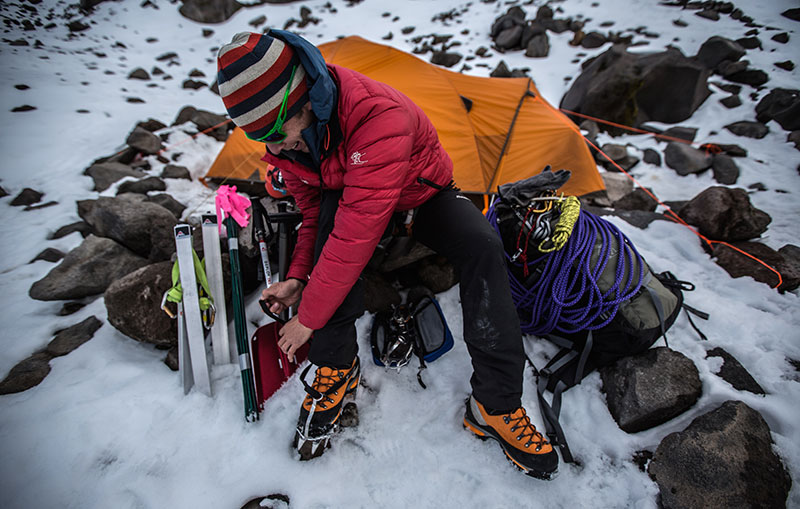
566, 297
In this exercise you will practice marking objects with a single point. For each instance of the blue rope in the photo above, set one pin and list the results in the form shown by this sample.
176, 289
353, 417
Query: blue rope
566, 298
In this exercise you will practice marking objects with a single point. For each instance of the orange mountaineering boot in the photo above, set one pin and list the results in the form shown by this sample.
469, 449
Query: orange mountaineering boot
523, 445
322, 407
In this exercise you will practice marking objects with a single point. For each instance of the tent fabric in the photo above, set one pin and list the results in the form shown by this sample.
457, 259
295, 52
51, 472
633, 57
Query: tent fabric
496, 130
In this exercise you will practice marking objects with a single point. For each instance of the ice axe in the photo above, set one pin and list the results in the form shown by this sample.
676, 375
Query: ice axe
272, 366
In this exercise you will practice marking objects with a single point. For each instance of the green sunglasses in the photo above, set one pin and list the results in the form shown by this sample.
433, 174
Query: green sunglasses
276, 134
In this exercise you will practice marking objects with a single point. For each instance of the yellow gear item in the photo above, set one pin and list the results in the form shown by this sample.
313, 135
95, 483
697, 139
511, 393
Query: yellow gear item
570, 210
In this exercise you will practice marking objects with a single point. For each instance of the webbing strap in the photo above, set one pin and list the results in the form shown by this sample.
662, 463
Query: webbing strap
563, 358
692, 311
205, 300
562, 342
175, 294
587, 348
657, 304
550, 417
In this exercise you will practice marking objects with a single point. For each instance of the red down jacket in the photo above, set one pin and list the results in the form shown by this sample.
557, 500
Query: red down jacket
387, 143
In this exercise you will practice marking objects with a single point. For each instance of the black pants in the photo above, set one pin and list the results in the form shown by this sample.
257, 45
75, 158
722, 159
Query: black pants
452, 226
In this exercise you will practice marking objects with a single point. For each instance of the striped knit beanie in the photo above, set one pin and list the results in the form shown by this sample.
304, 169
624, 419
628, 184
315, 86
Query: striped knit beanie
253, 71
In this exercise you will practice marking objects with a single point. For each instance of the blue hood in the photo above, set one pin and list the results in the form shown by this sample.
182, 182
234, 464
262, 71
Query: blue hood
321, 88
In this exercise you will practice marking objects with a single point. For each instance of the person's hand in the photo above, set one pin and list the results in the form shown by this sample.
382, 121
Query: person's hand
293, 335
282, 295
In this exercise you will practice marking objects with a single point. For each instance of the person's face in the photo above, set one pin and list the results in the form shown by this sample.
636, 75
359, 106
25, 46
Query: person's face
293, 127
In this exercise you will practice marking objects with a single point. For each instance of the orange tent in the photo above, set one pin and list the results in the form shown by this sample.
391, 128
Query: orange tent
496, 130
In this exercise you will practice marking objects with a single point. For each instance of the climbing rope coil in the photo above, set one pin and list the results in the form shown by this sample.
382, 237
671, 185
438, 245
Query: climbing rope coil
576, 276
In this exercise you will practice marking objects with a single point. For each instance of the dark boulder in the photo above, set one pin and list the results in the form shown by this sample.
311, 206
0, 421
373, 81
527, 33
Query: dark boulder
538, 46
174, 171
680, 132
749, 42
510, 38
638, 199
630, 88
139, 74
133, 304
722, 213
26, 374
723, 459
531, 30
193, 84
71, 338
734, 373
793, 14
752, 77
437, 274
446, 58
209, 11
781, 105
614, 151
144, 141
794, 137
70, 308
725, 169
619, 158
711, 14
513, 17
651, 156
169, 203
27, 197
732, 101
151, 125
185, 115
649, 389
685, 159
593, 40
782, 37
379, 294
86, 270
107, 173
143, 186
501, 71
748, 129
617, 186
738, 265
687, 87
49, 254
79, 226
143, 227
723, 148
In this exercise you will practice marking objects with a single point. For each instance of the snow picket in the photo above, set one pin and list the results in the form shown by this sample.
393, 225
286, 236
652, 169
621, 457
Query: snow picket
213, 261
193, 323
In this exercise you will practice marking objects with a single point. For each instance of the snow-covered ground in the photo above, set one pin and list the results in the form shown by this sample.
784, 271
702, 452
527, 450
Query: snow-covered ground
110, 426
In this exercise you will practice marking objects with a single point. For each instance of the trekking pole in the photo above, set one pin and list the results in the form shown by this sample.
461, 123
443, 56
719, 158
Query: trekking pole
240, 324
235, 207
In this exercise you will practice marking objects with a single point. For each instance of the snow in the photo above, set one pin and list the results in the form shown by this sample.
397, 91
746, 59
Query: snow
110, 425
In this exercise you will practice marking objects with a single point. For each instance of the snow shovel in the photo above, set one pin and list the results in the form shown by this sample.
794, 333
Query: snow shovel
271, 366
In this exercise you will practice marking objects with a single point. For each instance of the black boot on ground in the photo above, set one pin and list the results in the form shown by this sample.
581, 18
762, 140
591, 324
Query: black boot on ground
523, 445
322, 407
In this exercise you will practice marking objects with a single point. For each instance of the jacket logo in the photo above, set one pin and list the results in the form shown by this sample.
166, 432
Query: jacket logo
355, 158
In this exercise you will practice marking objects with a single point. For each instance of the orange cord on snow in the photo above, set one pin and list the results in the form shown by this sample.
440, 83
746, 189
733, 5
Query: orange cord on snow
672, 215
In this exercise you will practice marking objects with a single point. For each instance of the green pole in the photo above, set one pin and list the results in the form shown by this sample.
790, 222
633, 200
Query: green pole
239, 320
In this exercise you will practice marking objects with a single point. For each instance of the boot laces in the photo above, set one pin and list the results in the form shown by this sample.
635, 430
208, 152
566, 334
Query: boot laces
325, 379
528, 430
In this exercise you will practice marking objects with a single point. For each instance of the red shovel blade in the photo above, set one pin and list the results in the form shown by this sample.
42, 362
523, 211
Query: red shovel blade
271, 367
